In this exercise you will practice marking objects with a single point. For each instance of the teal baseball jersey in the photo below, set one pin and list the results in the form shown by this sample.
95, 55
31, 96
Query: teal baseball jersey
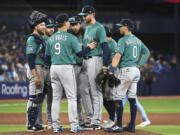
33, 48
79, 60
95, 33
62, 47
45, 38
112, 47
130, 47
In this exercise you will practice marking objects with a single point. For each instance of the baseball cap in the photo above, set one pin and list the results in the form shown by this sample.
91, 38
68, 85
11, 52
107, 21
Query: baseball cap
87, 10
61, 18
126, 22
50, 23
75, 19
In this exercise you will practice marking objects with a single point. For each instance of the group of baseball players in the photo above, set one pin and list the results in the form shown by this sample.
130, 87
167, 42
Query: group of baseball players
70, 59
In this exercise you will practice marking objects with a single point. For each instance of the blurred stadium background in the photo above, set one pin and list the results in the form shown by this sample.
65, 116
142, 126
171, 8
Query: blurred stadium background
157, 25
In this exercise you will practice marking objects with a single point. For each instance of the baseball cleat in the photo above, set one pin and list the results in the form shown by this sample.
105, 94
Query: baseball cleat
58, 130
93, 127
77, 129
36, 128
108, 124
145, 123
129, 128
114, 128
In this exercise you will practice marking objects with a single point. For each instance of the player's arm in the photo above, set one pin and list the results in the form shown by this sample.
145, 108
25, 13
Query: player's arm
101, 36
117, 57
86, 50
145, 55
115, 62
77, 49
105, 49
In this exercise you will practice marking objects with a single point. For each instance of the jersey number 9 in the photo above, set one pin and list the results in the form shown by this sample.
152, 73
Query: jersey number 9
58, 48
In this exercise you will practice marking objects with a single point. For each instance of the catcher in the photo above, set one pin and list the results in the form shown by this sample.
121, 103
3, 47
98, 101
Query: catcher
105, 82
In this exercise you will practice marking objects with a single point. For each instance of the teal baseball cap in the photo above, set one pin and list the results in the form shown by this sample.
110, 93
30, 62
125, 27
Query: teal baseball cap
50, 23
74, 20
126, 22
87, 10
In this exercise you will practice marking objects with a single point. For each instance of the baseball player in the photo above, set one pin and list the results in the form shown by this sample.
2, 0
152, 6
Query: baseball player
81, 76
128, 51
47, 85
61, 49
35, 49
108, 101
95, 60
144, 116
48, 88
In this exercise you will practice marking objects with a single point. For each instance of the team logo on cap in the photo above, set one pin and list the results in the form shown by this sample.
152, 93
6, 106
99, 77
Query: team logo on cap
50, 21
73, 19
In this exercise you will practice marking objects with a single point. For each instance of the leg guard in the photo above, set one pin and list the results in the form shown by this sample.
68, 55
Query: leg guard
37, 99
32, 115
33, 110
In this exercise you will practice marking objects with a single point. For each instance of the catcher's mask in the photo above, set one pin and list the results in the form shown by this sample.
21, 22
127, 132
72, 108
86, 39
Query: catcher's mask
36, 18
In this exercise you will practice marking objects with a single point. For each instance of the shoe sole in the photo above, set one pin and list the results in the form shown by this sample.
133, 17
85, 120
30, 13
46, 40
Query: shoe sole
77, 132
29, 130
113, 131
34, 131
57, 132
93, 128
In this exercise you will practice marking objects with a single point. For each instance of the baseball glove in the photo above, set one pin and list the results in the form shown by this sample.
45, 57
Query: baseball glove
112, 80
100, 79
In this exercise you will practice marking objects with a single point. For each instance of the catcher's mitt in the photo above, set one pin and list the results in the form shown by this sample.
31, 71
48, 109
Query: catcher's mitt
100, 79
103, 84
113, 81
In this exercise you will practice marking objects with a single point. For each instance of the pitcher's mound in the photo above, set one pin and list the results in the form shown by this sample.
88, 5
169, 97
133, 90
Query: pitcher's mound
67, 132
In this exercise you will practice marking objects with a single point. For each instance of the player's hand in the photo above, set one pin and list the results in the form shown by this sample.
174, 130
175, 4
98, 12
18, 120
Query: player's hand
105, 69
138, 66
92, 45
110, 73
37, 81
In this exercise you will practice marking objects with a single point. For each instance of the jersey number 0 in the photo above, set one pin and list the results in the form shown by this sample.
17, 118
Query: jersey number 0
58, 48
134, 51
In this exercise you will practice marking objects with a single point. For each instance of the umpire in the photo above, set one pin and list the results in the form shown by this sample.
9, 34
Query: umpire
35, 49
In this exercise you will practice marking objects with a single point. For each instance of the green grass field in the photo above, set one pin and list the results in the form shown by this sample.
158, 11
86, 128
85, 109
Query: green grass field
150, 105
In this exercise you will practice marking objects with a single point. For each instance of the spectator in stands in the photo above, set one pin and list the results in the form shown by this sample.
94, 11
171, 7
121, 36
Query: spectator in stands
165, 66
157, 67
173, 62
148, 76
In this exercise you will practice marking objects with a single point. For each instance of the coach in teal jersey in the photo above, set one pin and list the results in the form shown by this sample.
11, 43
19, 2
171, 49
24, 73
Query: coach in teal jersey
35, 50
128, 52
62, 47
95, 60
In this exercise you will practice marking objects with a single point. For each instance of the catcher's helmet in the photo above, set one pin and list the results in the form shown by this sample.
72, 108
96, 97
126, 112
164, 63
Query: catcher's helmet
36, 18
